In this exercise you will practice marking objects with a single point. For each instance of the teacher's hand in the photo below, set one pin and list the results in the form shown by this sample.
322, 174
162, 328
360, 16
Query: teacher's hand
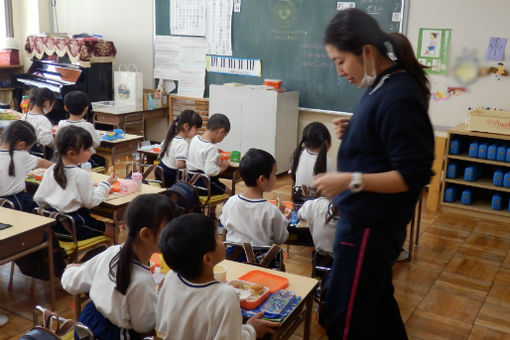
340, 126
331, 184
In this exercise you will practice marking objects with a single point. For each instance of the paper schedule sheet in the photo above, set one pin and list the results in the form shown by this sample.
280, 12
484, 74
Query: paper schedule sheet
219, 27
187, 17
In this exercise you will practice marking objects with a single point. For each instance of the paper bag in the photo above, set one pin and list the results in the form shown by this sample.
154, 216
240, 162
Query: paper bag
128, 86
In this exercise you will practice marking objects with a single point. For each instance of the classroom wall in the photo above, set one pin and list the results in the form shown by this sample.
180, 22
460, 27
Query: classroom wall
128, 23
26, 21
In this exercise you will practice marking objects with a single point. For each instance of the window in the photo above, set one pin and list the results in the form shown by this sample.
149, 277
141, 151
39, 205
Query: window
3, 20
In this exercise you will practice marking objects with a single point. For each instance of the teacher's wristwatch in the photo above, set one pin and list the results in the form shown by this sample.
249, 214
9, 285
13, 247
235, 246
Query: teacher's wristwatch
356, 184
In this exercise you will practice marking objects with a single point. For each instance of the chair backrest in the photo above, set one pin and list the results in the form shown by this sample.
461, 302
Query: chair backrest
65, 220
263, 256
4, 202
49, 325
185, 196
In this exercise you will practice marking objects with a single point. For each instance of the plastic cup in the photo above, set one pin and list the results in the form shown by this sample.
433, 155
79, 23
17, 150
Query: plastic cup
137, 178
86, 166
235, 156
220, 273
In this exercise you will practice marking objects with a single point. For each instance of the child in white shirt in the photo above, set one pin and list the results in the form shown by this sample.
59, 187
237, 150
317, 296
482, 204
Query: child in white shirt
248, 217
174, 149
192, 305
68, 189
310, 157
16, 163
119, 281
321, 217
204, 157
41, 102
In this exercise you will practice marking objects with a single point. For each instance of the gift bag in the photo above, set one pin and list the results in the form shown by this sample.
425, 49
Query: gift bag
128, 86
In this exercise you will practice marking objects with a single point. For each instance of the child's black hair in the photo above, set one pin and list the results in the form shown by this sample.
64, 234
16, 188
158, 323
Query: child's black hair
18, 131
185, 241
76, 102
255, 163
189, 117
218, 121
69, 138
145, 211
39, 96
315, 135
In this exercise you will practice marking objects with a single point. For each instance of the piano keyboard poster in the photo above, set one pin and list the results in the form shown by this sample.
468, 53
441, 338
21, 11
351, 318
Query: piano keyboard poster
230, 65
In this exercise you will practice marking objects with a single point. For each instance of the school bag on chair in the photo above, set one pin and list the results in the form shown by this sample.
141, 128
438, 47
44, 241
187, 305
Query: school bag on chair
185, 196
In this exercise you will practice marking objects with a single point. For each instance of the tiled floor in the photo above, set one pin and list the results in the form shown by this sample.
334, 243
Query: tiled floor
456, 287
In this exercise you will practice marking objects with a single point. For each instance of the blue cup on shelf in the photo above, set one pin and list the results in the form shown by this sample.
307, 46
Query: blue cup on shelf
506, 180
501, 153
451, 194
507, 158
482, 150
492, 150
455, 146
466, 197
496, 201
497, 178
452, 170
473, 149
472, 173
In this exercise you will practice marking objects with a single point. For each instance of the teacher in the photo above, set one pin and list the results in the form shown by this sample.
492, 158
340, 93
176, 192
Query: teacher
383, 164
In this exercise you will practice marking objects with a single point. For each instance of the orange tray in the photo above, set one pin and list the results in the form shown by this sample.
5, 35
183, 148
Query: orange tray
273, 282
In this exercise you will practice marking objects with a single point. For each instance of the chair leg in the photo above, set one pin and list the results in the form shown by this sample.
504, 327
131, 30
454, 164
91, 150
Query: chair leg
76, 306
418, 220
11, 277
32, 288
411, 235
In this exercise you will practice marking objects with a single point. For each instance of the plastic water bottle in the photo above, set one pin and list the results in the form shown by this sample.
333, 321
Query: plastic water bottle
137, 178
86, 166
293, 218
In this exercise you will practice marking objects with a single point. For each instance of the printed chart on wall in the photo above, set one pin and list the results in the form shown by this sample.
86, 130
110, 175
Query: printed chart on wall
252, 40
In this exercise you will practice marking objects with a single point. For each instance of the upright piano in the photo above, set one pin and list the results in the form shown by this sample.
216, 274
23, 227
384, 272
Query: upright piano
62, 78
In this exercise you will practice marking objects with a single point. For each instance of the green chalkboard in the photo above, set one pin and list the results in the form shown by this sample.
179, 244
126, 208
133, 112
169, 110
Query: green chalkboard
286, 35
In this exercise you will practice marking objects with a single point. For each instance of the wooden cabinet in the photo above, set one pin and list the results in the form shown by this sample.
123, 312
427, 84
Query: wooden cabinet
6, 92
259, 118
482, 189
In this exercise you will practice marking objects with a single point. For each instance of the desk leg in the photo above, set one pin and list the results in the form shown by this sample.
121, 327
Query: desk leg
308, 317
52, 270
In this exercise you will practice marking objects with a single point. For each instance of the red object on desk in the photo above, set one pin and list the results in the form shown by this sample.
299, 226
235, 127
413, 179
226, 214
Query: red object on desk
271, 281
9, 57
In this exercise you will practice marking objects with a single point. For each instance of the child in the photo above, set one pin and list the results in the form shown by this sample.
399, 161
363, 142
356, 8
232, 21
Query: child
174, 151
249, 217
321, 217
204, 157
310, 157
119, 282
191, 303
68, 189
41, 102
16, 162
76, 103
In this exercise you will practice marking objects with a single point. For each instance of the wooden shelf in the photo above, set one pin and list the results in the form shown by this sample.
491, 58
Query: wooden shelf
463, 157
10, 66
461, 130
482, 207
483, 183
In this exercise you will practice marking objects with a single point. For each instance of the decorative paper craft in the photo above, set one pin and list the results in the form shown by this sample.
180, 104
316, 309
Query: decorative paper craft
496, 49
434, 49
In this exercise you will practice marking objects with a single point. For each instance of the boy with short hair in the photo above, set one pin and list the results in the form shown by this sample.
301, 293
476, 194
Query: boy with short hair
76, 103
203, 155
191, 303
248, 217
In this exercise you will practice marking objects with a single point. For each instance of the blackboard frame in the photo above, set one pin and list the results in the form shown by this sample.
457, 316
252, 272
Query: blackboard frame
341, 87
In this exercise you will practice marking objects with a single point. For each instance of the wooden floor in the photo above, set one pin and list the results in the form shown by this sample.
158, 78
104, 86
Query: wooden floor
456, 287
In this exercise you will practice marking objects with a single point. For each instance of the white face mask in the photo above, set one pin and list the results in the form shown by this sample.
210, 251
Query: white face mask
368, 80
45, 111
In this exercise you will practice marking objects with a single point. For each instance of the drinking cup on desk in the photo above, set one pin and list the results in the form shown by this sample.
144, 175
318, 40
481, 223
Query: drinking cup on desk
220, 273
235, 156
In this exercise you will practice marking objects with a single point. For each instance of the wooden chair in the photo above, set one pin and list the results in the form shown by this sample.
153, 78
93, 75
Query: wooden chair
263, 256
414, 225
208, 202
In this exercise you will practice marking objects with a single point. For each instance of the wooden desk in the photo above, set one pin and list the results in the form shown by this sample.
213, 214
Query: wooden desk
122, 120
125, 146
116, 207
304, 287
27, 235
232, 173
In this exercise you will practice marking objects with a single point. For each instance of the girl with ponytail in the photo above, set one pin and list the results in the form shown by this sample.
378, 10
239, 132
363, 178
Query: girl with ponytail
310, 156
119, 281
67, 188
16, 163
174, 150
384, 162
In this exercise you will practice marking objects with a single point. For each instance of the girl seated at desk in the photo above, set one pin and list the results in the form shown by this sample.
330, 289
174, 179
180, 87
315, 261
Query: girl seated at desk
68, 189
16, 163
